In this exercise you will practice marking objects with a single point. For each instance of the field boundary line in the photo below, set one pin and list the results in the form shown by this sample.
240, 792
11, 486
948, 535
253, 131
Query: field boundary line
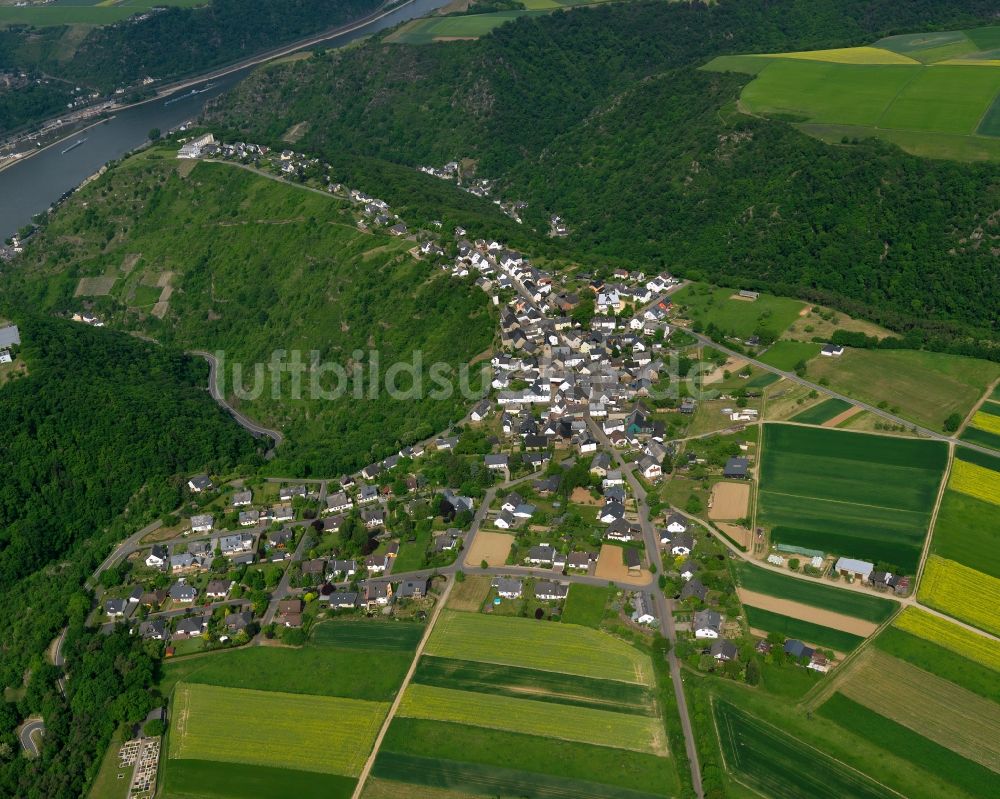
992, 386
989, 107
895, 97
366, 771
945, 479
840, 501
807, 745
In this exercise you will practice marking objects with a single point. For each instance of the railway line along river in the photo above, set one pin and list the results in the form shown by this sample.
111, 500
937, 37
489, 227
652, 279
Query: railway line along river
34, 183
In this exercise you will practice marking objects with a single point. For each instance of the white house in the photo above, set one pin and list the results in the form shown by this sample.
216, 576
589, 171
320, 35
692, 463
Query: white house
202, 523
706, 624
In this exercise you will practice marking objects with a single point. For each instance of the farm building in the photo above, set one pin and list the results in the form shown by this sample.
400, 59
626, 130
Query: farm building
737, 469
858, 569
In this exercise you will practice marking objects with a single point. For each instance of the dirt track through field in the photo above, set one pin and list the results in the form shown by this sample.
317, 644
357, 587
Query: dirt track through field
491, 547
842, 417
729, 501
826, 618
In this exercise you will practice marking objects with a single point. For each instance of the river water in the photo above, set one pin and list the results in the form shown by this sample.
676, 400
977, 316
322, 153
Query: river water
32, 185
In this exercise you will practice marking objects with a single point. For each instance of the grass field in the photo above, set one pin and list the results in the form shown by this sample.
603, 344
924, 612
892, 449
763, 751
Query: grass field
822, 412
470, 594
317, 670
585, 605
237, 725
967, 531
209, 779
961, 592
742, 318
511, 641
465, 26
586, 725
923, 753
850, 494
543, 686
924, 387
95, 13
950, 636
942, 97
947, 714
824, 637
391, 636
955, 667
780, 766
633, 771
786, 355
492, 781
850, 603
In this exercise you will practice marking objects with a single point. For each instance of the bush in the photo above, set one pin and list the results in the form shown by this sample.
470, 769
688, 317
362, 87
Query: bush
154, 728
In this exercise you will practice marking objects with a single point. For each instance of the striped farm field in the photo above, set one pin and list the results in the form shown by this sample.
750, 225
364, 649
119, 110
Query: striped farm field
987, 421
474, 779
946, 664
967, 530
210, 779
975, 480
848, 55
586, 725
850, 494
296, 731
513, 641
534, 757
815, 634
947, 714
950, 636
542, 686
850, 603
780, 766
903, 742
976, 436
964, 593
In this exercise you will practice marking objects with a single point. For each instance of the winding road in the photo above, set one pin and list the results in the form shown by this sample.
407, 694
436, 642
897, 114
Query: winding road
29, 734
258, 431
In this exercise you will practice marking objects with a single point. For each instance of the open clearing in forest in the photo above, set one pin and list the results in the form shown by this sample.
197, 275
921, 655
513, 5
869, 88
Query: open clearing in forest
825, 618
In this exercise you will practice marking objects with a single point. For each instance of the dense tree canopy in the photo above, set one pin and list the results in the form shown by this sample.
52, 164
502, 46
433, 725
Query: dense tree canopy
600, 115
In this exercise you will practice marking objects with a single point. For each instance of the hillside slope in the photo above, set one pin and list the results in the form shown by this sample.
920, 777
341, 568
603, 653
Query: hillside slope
253, 269
599, 115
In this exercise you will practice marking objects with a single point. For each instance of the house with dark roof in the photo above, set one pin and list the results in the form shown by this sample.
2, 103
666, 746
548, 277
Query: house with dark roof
694, 589
706, 624
723, 650
736, 469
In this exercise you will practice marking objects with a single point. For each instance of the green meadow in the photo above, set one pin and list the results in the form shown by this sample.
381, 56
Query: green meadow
210, 779
738, 317
585, 605
86, 13
935, 94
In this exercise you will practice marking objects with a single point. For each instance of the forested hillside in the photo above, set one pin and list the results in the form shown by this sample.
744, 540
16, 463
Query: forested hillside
600, 115
170, 43
257, 268
101, 424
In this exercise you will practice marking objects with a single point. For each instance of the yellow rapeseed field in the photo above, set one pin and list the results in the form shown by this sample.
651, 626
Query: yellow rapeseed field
986, 421
849, 55
961, 592
950, 636
976, 481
